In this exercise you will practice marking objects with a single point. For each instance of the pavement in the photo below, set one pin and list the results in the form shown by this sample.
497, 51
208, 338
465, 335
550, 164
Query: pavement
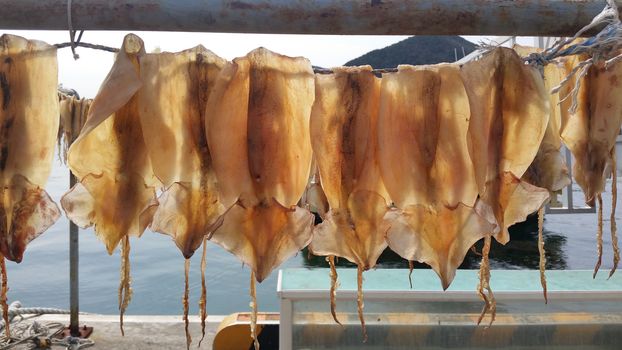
141, 332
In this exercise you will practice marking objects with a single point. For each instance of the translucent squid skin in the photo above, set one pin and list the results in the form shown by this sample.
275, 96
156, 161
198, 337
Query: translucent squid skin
176, 87
257, 124
172, 99
110, 158
510, 111
548, 169
29, 119
344, 137
422, 137
116, 192
590, 133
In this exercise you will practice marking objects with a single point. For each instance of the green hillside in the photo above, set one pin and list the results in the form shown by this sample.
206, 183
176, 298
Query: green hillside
416, 50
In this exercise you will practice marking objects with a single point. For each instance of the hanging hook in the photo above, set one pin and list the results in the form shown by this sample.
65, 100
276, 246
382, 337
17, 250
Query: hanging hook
72, 32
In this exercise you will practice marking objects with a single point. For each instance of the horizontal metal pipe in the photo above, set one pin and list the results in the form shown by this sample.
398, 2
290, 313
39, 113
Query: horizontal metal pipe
387, 17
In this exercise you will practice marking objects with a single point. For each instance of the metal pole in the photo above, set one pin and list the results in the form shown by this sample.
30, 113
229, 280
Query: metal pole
74, 256
387, 17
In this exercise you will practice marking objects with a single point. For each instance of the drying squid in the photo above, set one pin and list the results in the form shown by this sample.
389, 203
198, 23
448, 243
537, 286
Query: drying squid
257, 123
548, 169
29, 113
590, 131
344, 140
509, 115
173, 98
427, 169
116, 192
73, 113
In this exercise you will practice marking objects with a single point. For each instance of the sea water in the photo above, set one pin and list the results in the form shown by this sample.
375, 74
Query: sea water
157, 266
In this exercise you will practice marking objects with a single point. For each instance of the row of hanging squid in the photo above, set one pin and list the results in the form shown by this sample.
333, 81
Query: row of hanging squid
427, 160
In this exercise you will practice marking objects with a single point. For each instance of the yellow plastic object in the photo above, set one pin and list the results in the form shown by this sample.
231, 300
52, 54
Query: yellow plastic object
234, 331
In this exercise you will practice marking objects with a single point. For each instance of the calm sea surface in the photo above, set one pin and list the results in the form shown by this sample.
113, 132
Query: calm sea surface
42, 279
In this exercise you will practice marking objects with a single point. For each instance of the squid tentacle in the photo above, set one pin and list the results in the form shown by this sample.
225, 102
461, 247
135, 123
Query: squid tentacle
614, 200
542, 253
599, 235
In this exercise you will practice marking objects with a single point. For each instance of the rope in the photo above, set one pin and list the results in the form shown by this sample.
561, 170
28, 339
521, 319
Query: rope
604, 46
37, 311
608, 40
25, 330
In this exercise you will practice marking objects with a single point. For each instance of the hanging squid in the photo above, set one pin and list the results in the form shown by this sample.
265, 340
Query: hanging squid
548, 169
509, 117
116, 192
173, 98
257, 124
590, 130
344, 140
29, 115
73, 113
427, 169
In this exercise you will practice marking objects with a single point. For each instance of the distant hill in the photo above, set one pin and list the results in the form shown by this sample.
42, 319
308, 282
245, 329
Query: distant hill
421, 49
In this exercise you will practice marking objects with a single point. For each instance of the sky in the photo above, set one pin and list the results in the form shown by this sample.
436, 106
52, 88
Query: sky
86, 74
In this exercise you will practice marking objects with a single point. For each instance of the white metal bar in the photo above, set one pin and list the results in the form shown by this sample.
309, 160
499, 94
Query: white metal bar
285, 325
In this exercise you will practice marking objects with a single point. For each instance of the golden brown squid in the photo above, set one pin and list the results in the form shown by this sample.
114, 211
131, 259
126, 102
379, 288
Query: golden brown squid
73, 113
509, 116
344, 140
548, 169
257, 123
116, 192
176, 87
590, 133
425, 163
29, 115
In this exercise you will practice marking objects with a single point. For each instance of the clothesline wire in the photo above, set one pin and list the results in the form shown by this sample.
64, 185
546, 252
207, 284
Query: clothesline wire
87, 45
317, 70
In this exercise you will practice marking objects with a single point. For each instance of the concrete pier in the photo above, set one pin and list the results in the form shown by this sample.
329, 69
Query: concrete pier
142, 332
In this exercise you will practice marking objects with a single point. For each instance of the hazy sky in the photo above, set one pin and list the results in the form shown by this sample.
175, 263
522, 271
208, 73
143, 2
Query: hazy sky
86, 74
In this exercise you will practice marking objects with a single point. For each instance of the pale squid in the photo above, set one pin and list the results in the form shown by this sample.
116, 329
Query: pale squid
344, 139
427, 169
590, 133
29, 117
176, 87
257, 123
509, 116
548, 169
73, 113
116, 192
